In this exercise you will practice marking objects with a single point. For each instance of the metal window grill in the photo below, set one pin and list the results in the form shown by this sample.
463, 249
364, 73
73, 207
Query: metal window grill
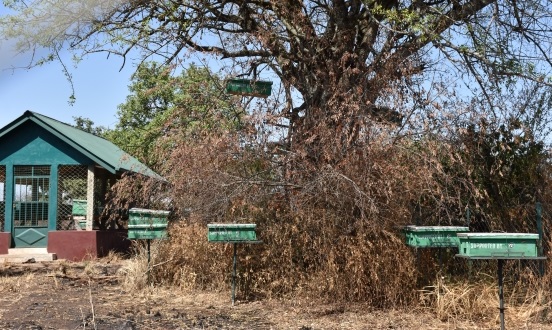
2, 197
31, 171
31, 196
72, 194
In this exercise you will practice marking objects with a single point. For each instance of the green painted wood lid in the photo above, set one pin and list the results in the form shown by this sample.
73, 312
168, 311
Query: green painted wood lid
499, 235
436, 228
231, 225
146, 211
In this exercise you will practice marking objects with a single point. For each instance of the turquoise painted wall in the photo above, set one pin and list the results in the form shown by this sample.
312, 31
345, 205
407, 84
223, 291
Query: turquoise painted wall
30, 144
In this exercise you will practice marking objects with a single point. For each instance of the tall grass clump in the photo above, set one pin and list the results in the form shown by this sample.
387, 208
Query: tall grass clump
191, 262
137, 273
527, 299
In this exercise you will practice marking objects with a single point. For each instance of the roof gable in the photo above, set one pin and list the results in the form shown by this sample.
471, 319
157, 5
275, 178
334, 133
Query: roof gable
100, 150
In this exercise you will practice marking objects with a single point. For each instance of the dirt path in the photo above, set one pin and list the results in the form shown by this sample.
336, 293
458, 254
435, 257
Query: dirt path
62, 295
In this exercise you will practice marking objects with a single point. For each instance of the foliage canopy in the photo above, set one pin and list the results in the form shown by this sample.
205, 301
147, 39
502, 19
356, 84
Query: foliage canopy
160, 104
350, 61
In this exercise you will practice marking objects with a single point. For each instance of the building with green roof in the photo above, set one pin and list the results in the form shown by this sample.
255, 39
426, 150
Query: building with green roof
53, 181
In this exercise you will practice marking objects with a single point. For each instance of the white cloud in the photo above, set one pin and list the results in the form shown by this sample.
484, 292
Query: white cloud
44, 23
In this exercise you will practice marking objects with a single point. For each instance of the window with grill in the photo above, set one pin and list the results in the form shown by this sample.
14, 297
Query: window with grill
31, 196
72, 194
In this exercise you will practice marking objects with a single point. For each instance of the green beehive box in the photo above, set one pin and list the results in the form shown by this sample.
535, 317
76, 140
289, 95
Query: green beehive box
498, 245
231, 232
433, 236
79, 207
248, 87
147, 224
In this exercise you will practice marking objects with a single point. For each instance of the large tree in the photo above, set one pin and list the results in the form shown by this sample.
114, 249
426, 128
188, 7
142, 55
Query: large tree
345, 59
346, 67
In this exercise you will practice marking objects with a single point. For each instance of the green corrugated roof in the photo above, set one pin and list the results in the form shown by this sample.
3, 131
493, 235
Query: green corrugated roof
100, 150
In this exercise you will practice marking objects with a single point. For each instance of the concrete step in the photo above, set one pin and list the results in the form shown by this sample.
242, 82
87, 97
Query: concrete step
28, 251
27, 255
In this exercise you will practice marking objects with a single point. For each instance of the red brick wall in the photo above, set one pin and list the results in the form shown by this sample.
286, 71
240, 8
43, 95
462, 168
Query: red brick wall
5, 242
77, 245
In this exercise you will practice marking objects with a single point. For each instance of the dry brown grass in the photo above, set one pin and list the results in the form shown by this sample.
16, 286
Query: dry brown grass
10, 284
446, 305
190, 262
79, 301
527, 301
116, 296
136, 274
359, 271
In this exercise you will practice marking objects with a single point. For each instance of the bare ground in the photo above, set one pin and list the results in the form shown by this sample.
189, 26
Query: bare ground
89, 295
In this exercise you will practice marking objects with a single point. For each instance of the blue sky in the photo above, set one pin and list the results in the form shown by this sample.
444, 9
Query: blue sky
99, 83
99, 88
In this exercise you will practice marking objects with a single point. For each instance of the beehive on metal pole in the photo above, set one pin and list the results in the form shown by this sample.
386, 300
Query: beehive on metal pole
235, 233
147, 224
499, 246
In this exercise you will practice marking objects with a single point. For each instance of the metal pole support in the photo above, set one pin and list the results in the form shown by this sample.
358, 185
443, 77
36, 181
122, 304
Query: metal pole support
149, 258
470, 262
501, 293
538, 209
234, 274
